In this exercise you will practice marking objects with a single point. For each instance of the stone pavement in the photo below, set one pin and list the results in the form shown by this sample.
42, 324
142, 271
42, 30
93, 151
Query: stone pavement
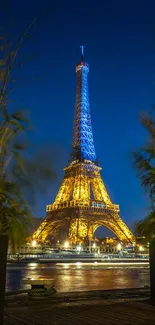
94, 312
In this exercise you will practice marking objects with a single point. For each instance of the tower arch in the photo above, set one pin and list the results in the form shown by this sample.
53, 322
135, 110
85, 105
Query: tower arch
114, 228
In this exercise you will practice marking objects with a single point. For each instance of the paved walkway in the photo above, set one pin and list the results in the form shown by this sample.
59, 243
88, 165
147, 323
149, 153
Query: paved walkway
82, 313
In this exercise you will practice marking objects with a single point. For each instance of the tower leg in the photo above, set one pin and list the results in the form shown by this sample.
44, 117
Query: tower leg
78, 232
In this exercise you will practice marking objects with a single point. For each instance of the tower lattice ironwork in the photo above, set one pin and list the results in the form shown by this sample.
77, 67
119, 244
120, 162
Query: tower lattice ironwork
82, 202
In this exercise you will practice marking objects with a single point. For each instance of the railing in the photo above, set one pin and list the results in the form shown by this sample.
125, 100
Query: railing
77, 203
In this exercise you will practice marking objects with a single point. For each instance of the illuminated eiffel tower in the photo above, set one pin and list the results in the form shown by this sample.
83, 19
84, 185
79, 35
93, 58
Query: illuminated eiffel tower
82, 202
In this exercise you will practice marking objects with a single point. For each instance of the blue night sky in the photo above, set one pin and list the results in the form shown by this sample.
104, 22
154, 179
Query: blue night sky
119, 40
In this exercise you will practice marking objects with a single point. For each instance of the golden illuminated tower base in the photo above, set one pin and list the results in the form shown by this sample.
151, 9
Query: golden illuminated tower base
83, 204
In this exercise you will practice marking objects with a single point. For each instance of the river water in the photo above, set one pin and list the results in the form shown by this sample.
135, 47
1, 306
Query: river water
78, 277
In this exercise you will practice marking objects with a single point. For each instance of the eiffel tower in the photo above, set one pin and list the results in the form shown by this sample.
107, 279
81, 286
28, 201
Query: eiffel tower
82, 202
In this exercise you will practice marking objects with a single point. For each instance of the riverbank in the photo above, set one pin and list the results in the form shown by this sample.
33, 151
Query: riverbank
113, 307
21, 297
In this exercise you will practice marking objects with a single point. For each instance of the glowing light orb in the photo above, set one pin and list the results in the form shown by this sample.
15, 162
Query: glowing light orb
34, 243
66, 244
119, 247
79, 248
141, 248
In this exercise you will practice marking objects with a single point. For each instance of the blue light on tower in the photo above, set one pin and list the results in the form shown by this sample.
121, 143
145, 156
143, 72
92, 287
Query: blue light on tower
83, 142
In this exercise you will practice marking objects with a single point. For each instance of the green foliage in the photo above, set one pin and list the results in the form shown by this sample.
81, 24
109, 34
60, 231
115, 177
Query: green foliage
14, 211
144, 162
146, 227
20, 173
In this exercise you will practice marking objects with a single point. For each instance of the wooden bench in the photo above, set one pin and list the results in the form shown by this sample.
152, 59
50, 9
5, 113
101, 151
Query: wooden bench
39, 290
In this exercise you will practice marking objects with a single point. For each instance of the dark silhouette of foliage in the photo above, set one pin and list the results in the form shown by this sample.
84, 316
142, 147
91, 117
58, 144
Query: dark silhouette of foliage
144, 162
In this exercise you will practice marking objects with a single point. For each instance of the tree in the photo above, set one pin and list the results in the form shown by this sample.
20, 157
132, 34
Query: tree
144, 161
18, 170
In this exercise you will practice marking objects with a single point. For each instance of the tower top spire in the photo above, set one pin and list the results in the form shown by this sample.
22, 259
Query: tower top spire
82, 52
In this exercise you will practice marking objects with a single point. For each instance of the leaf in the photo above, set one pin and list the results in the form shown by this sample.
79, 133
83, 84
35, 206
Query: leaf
3, 109
20, 146
19, 159
19, 116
